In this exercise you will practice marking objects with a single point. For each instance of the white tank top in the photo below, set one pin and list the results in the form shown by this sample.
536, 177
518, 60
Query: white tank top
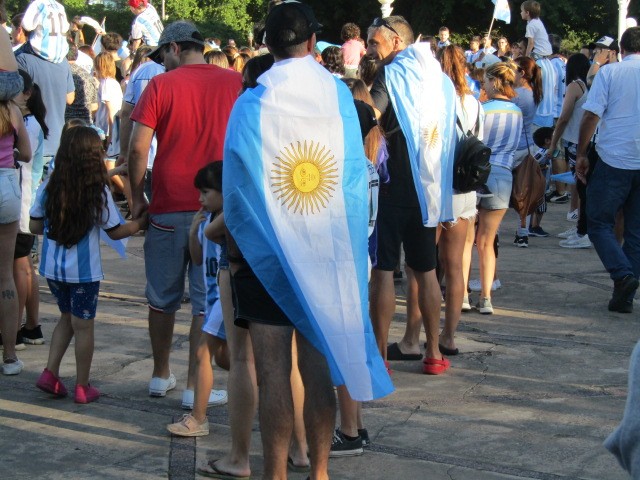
572, 130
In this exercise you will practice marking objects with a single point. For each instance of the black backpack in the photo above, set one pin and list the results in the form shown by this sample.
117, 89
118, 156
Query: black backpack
471, 166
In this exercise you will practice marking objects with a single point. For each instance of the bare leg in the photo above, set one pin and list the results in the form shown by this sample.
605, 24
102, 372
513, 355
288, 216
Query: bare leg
83, 331
33, 298
467, 253
349, 410
62, 335
410, 342
22, 278
8, 293
272, 351
204, 378
161, 334
452, 243
298, 449
195, 333
429, 301
241, 387
7, 58
383, 305
488, 223
319, 406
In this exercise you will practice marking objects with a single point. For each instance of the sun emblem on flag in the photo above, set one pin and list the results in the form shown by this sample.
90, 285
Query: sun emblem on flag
304, 176
431, 135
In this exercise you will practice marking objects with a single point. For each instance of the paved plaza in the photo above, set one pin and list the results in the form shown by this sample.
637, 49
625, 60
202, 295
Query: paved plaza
536, 389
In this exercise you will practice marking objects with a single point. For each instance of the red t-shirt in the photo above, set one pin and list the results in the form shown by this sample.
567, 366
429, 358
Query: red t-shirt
188, 108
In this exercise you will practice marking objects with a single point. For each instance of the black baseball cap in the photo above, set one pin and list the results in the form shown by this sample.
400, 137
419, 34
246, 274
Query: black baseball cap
290, 23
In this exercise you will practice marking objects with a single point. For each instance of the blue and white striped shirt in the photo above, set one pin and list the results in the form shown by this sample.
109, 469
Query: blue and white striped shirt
48, 24
82, 262
213, 322
147, 26
561, 71
502, 130
546, 107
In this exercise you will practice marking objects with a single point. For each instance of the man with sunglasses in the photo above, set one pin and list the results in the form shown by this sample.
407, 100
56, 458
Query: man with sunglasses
187, 109
405, 201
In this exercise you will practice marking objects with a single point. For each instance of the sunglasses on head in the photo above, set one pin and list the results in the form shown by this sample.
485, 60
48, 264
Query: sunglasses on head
381, 22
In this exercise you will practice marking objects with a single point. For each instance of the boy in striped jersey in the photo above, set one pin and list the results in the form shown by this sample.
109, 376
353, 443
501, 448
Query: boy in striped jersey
147, 25
48, 24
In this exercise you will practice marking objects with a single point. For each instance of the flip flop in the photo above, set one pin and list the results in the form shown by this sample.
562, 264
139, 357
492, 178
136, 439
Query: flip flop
394, 353
448, 351
297, 468
434, 366
210, 470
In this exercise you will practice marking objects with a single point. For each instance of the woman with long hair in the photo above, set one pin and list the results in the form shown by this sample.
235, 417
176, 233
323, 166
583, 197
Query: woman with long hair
502, 133
529, 95
504, 49
568, 129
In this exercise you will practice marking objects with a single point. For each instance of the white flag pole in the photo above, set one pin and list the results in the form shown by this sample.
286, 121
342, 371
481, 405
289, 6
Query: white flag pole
493, 19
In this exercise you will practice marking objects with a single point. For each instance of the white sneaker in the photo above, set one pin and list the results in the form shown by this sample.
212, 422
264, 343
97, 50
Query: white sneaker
13, 368
466, 306
476, 286
158, 387
568, 233
573, 216
576, 242
484, 306
216, 398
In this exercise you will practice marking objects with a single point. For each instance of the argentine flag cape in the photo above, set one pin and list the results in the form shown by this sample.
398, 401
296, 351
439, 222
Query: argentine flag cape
296, 202
424, 100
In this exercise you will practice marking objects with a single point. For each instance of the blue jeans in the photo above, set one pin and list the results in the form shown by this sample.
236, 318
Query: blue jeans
610, 189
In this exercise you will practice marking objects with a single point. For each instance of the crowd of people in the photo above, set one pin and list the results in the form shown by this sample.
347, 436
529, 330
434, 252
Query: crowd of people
309, 164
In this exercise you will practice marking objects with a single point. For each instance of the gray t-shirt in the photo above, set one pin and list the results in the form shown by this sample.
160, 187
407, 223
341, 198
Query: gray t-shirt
55, 81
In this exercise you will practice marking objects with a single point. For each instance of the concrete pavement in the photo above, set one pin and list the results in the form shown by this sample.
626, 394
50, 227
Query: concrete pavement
536, 389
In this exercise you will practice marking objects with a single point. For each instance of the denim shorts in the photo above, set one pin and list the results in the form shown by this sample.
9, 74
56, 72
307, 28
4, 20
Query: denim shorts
81, 299
499, 182
10, 196
11, 84
167, 260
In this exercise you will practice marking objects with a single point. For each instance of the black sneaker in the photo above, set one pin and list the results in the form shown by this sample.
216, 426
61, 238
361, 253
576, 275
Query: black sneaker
521, 242
560, 198
364, 435
484, 192
341, 447
549, 195
537, 232
622, 290
32, 336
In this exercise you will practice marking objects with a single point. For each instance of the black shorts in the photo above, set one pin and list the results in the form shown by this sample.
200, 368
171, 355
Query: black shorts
252, 302
24, 244
399, 225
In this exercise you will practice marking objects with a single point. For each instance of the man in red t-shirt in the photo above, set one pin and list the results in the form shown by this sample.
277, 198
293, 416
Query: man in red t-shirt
187, 109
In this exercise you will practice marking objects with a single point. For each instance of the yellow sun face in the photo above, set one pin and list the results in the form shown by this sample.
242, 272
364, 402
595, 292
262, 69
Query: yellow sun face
303, 177
431, 135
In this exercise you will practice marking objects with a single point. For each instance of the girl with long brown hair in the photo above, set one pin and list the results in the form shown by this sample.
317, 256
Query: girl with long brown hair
71, 207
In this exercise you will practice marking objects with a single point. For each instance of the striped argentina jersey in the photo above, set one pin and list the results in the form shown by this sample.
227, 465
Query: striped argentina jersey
48, 24
31, 172
502, 130
546, 107
213, 323
147, 26
82, 262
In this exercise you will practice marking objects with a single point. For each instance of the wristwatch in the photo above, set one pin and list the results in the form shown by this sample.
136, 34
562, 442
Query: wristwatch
597, 63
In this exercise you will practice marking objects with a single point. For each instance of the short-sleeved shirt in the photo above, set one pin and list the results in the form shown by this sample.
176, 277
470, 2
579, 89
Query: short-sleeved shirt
138, 81
615, 98
82, 262
560, 67
31, 172
147, 26
86, 94
188, 108
210, 259
525, 102
55, 82
109, 91
536, 30
48, 24
352, 52
400, 191
502, 130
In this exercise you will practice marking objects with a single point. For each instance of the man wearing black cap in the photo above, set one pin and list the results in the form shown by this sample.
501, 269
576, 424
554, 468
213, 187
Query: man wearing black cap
295, 195
605, 52
187, 108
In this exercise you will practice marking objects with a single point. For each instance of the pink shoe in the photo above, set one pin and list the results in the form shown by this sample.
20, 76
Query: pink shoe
49, 383
86, 394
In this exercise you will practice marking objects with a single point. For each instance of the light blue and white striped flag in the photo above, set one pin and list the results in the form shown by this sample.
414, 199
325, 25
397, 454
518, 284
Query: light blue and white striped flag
502, 10
296, 202
424, 100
